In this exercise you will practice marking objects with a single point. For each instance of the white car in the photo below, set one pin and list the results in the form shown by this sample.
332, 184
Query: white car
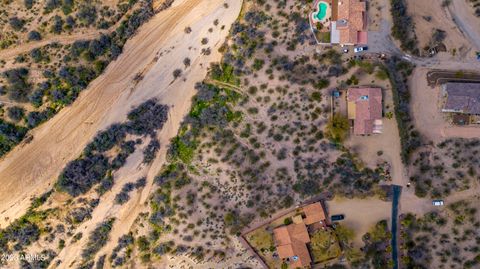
437, 202
359, 49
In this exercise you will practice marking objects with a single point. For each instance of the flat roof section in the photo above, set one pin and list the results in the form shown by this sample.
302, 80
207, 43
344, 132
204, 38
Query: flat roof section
334, 34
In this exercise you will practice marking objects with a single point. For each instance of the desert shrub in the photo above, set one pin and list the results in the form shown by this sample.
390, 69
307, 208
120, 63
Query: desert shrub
16, 23
101, 262
36, 97
105, 185
15, 113
79, 215
137, 18
177, 73
224, 73
28, 3
438, 35
141, 182
258, 64
97, 239
57, 26
18, 86
22, 232
403, 28
307, 187
34, 36
67, 6
50, 5
163, 248
81, 174
126, 148
10, 135
106, 140
147, 118
236, 221
87, 14
47, 255
124, 242
70, 23
186, 62
150, 151
35, 118
123, 196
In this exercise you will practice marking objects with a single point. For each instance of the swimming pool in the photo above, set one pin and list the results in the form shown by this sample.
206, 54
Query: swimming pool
322, 11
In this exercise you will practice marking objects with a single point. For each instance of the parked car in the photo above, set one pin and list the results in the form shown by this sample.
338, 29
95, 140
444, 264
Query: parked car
337, 217
345, 50
359, 49
437, 202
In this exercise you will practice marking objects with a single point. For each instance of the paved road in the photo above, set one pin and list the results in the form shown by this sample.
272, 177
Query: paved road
397, 190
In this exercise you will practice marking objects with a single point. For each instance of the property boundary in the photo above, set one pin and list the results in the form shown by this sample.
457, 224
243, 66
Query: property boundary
320, 198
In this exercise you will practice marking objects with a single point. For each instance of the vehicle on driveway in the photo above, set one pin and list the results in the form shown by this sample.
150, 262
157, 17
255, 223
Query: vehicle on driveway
337, 217
437, 202
345, 50
360, 49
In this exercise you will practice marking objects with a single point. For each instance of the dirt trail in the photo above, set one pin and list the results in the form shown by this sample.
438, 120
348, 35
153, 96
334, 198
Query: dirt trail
85, 34
63, 39
32, 168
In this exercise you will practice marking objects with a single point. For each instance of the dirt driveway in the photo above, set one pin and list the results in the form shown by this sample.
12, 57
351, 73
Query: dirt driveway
360, 214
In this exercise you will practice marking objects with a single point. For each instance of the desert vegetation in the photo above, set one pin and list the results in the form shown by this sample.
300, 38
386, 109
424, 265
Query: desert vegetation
85, 180
93, 166
476, 7
47, 78
443, 239
410, 138
256, 139
403, 28
450, 166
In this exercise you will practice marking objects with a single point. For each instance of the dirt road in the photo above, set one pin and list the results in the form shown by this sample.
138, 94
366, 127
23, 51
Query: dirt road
468, 24
32, 168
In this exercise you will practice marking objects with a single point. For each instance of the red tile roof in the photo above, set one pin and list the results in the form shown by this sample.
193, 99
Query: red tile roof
352, 13
291, 243
313, 213
368, 108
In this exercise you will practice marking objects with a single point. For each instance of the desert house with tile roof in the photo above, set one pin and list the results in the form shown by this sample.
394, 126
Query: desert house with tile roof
364, 107
462, 99
291, 240
343, 21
